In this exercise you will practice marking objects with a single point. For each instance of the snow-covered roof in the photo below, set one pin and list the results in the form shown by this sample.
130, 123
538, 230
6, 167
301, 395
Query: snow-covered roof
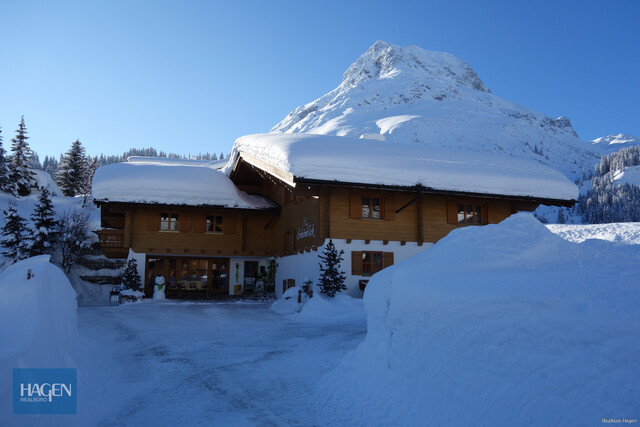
295, 157
171, 182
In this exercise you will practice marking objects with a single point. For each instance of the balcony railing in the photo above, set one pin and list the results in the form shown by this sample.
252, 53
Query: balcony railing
111, 238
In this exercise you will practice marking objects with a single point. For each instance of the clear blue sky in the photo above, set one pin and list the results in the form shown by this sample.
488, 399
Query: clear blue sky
191, 76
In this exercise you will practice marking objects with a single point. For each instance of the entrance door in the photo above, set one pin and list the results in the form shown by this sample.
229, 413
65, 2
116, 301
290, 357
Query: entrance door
219, 276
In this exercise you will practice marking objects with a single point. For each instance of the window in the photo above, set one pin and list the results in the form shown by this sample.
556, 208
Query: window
214, 224
367, 263
371, 208
371, 262
168, 222
469, 214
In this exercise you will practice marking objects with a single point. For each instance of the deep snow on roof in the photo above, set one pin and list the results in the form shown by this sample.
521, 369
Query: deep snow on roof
363, 161
171, 182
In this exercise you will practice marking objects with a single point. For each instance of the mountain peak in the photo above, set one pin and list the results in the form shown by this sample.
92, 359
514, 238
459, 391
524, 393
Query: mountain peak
411, 95
385, 60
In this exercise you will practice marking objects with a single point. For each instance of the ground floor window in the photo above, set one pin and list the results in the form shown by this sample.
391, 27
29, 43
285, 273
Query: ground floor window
186, 276
367, 263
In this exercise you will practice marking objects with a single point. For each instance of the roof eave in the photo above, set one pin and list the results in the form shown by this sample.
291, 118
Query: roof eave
429, 190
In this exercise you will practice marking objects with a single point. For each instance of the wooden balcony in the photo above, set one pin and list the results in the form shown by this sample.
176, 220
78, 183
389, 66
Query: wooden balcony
112, 243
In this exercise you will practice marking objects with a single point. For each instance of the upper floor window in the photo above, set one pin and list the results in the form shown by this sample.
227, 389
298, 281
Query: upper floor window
168, 222
469, 214
214, 224
378, 206
461, 212
371, 208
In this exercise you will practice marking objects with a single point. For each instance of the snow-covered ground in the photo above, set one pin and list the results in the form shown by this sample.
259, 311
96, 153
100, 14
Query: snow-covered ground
187, 363
504, 324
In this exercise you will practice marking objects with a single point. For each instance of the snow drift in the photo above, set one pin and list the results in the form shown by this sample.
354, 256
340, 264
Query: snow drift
504, 324
38, 321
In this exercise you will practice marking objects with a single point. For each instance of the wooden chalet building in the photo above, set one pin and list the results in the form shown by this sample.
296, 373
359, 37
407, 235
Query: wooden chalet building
264, 216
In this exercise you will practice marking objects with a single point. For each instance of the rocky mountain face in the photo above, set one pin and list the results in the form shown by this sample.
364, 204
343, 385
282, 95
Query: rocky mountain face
411, 95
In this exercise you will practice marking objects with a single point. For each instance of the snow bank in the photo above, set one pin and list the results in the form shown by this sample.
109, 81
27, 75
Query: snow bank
320, 309
38, 320
329, 158
174, 182
504, 324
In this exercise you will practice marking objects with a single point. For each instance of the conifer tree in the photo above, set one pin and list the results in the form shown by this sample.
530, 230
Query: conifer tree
21, 172
72, 170
13, 233
130, 277
45, 226
331, 278
5, 172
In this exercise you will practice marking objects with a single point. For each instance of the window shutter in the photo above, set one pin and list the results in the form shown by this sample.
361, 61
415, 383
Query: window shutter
452, 212
355, 206
199, 223
153, 220
388, 259
356, 263
389, 207
229, 224
184, 223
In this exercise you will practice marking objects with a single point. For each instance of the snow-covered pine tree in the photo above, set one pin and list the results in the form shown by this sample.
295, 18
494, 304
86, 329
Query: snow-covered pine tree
72, 171
21, 172
130, 278
13, 234
45, 226
50, 165
331, 278
5, 172
92, 166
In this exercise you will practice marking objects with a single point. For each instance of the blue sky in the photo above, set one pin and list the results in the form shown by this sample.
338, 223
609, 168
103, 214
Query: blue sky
191, 76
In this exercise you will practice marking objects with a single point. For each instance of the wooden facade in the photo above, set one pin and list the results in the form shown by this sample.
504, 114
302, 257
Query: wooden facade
305, 214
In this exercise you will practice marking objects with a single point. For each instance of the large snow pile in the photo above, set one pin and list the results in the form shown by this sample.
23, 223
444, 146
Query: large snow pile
504, 324
412, 95
38, 320
324, 157
171, 181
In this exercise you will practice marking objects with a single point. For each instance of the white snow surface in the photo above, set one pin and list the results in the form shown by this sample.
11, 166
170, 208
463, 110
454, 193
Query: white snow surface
630, 175
615, 142
530, 329
38, 323
365, 161
171, 182
503, 324
627, 233
415, 96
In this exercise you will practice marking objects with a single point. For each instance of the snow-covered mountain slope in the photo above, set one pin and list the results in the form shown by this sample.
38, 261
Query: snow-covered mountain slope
612, 143
410, 95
